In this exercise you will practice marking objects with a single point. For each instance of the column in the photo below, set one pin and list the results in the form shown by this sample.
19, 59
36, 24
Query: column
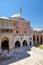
36, 39
21, 44
39, 39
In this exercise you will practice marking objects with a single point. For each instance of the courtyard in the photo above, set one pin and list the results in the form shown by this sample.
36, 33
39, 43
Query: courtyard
25, 56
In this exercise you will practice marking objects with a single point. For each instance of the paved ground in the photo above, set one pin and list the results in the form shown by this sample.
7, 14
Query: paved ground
25, 56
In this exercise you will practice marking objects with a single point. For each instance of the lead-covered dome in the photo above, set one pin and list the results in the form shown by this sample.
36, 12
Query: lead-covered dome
17, 17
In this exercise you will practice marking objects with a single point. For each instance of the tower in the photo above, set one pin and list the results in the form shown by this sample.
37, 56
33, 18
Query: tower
21, 11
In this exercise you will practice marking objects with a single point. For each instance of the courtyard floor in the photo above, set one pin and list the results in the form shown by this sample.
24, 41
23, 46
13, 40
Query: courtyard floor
25, 56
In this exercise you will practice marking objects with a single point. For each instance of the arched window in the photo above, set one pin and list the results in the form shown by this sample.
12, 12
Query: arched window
16, 31
25, 32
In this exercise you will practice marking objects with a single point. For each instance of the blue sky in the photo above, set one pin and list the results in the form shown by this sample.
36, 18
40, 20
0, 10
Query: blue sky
32, 10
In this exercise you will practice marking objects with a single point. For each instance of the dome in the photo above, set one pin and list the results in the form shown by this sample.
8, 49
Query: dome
17, 17
4, 17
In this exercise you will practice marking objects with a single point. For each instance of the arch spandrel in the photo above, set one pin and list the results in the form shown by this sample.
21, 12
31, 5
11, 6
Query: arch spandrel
4, 38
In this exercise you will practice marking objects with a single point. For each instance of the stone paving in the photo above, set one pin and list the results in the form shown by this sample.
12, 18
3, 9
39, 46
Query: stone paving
25, 56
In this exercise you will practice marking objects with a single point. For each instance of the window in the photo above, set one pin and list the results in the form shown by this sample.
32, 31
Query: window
17, 32
7, 30
7, 24
30, 38
10, 25
25, 25
3, 30
11, 30
17, 25
30, 43
2, 24
25, 32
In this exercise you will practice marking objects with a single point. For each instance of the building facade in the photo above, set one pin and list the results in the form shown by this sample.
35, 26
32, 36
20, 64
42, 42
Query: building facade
37, 37
15, 32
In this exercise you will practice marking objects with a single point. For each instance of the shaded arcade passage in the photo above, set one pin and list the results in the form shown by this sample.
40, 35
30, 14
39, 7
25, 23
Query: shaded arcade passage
5, 44
17, 44
24, 43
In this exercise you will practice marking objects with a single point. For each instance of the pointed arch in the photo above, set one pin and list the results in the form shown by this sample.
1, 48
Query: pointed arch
17, 44
24, 43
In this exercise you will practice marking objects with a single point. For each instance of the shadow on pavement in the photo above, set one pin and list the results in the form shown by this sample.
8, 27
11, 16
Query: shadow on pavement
18, 54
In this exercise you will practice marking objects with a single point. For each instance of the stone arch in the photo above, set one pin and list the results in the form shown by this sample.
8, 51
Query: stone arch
4, 43
24, 43
17, 44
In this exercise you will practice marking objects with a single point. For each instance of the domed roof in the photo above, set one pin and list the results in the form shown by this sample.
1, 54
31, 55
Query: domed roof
4, 17
17, 17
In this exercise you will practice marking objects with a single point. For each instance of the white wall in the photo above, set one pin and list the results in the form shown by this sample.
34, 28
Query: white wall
18, 38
